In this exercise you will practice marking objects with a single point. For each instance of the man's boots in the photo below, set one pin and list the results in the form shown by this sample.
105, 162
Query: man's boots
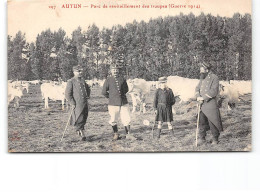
215, 141
82, 134
128, 135
159, 133
116, 135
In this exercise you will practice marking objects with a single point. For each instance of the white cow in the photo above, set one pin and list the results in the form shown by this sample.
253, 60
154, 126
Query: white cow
139, 89
233, 90
15, 93
243, 87
15, 84
53, 92
34, 82
184, 88
153, 84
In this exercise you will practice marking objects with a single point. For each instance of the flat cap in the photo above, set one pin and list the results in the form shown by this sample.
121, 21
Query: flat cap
162, 79
115, 66
77, 68
205, 65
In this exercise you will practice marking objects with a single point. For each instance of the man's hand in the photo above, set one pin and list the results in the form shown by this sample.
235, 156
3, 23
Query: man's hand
155, 111
200, 100
73, 107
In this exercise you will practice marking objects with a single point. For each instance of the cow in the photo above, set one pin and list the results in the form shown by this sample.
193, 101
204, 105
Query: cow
15, 93
243, 87
231, 92
53, 92
153, 84
34, 82
139, 89
184, 88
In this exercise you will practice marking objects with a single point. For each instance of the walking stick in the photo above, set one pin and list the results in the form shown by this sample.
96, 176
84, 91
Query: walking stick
197, 130
153, 127
67, 125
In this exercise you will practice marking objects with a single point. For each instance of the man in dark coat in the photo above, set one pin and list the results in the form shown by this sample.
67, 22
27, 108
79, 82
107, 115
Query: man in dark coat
163, 101
115, 89
206, 93
77, 93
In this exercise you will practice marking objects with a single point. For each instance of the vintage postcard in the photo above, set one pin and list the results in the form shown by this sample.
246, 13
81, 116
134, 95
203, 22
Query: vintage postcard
129, 75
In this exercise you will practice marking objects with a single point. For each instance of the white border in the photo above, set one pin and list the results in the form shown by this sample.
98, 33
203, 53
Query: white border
160, 172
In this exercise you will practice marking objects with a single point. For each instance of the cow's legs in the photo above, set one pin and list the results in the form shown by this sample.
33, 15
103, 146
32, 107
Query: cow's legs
134, 103
16, 102
67, 104
62, 104
144, 104
10, 98
134, 108
140, 106
173, 111
46, 103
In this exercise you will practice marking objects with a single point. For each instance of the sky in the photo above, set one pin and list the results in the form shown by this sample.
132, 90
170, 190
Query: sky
33, 16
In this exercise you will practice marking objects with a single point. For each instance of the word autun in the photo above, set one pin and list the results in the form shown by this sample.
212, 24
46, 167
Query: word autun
75, 6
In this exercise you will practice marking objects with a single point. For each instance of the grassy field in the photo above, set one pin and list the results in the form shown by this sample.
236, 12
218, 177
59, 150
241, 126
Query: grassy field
34, 129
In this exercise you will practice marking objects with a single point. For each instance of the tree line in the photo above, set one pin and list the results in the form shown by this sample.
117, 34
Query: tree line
172, 45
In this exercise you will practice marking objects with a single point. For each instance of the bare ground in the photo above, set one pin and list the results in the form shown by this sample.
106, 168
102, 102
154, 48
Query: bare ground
34, 129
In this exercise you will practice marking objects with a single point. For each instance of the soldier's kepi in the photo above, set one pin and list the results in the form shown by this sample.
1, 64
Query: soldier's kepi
77, 93
206, 93
115, 89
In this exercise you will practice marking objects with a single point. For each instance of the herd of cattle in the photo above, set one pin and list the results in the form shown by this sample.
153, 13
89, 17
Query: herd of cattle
139, 90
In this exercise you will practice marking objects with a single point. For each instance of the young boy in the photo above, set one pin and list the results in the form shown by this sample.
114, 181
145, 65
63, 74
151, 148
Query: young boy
163, 101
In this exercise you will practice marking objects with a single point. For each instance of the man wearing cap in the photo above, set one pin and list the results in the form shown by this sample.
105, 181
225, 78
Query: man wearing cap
77, 93
163, 101
206, 93
115, 89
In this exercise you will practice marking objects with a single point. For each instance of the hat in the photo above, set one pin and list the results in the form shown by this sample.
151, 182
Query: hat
77, 68
162, 79
205, 65
114, 66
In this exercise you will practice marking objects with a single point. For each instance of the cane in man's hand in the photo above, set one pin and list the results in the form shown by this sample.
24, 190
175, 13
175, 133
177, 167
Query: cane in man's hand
73, 107
155, 112
198, 119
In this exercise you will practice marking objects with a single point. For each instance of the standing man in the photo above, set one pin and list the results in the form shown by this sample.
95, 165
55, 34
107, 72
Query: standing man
206, 93
77, 93
115, 89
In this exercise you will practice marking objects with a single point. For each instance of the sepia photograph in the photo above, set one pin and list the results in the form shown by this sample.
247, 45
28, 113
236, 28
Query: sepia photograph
129, 76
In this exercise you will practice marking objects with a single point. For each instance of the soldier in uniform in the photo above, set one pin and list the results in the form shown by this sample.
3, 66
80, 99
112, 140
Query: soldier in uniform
206, 93
77, 93
163, 101
115, 89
